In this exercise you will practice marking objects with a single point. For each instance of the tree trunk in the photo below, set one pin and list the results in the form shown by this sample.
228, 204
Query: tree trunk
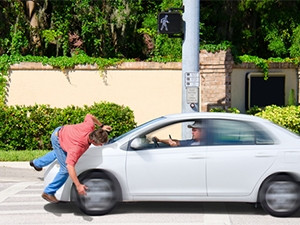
30, 8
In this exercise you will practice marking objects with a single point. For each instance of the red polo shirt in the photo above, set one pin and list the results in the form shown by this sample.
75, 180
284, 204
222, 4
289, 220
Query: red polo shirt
74, 139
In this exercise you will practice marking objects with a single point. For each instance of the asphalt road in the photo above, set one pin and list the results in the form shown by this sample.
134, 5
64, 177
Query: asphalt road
21, 203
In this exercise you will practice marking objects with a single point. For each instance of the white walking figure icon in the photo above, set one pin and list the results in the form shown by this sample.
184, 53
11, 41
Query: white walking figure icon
164, 21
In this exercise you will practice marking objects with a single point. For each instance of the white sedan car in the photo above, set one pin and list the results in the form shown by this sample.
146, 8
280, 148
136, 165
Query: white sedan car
240, 158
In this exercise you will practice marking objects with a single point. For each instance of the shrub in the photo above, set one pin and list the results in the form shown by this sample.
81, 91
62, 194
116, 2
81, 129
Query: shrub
229, 110
254, 110
30, 127
288, 117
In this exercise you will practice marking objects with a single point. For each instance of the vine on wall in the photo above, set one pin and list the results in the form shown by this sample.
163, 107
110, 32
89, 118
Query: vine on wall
263, 64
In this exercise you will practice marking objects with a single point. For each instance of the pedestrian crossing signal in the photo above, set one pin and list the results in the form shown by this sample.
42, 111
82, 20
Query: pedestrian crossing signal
170, 23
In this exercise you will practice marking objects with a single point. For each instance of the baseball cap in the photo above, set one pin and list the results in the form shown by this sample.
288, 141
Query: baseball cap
196, 124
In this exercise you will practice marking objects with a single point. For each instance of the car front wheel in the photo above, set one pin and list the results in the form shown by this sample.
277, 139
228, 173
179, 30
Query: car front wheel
101, 196
279, 196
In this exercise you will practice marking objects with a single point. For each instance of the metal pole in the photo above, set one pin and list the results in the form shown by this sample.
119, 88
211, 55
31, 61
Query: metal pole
190, 60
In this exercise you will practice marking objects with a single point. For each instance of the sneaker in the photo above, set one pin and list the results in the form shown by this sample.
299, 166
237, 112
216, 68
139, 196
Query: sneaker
36, 168
49, 198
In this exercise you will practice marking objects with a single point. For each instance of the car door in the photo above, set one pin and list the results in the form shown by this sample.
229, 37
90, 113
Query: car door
237, 158
165, 173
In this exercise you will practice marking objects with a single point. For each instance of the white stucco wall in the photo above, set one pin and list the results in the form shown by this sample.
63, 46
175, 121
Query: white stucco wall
149, 93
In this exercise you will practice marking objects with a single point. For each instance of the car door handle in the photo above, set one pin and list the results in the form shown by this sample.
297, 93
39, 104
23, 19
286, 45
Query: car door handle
263, 155
196, 157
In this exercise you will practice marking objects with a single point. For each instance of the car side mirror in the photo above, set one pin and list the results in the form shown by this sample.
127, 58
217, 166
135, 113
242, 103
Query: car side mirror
139, 143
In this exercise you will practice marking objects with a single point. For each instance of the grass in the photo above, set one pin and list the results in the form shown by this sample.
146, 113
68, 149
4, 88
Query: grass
21, 155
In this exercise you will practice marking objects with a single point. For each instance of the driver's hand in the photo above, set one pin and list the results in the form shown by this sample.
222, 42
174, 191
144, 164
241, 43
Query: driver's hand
173, 143
155, 139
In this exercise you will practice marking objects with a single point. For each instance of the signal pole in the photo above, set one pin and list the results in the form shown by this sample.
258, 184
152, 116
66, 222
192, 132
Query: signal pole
190, 60
186, 27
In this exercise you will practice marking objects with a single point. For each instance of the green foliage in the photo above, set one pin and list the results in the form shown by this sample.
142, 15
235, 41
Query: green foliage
119, 117
159, 47
167, 4
264, 63
265, 28
292, 98
217, 109
254, 110
14, 34
30, 127
229, 110
233, 110
276, 43
128, 28
4, 67
259, 62
51, 36
295, 46
224, 45
288, 117
167, 49
99, 28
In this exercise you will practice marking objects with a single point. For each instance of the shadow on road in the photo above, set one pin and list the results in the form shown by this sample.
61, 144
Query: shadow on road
66, 208
165, 207
188, 207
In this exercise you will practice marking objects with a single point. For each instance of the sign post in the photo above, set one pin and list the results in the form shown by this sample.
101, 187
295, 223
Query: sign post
190, 61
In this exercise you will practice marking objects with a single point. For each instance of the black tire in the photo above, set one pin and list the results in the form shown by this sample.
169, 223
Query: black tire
103, 193
279, 196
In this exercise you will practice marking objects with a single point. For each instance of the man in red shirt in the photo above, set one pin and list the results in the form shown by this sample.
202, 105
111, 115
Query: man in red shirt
69, 142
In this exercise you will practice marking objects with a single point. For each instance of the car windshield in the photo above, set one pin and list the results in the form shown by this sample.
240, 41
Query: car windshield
136, 129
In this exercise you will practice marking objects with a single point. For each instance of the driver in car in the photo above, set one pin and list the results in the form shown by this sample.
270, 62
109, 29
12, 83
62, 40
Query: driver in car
197, 135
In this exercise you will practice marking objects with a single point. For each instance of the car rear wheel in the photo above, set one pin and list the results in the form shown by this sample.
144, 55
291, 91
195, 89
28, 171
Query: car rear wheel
103, 193
279, 196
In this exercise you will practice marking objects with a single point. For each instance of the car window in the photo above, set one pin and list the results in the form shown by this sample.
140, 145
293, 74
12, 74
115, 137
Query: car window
231, 132
159, 138
136, 129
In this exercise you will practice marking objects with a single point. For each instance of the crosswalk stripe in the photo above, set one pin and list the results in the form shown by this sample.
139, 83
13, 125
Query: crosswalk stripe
17, 212
217, 219
42, 202
27, 195
12, 190
33, 189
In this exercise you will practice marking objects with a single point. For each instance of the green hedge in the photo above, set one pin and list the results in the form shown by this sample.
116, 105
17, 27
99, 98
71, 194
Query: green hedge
288, 117
30, 127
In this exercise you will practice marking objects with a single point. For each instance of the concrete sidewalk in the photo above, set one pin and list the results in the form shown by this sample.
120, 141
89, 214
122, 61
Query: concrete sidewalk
24, 165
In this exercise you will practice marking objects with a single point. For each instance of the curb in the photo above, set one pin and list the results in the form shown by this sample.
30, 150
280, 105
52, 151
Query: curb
24, 165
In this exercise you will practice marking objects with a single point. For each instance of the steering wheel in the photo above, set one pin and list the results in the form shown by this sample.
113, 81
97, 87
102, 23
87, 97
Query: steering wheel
155, 141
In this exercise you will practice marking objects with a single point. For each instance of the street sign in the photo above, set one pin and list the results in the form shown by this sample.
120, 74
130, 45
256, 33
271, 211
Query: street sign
170, 23
192, 94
